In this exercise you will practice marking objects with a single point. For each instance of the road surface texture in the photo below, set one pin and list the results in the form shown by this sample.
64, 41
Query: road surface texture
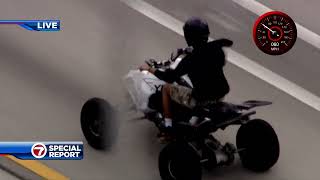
46, 77
6, 175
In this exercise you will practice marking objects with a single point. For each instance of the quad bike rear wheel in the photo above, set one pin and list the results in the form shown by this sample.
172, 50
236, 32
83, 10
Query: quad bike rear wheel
96, 114
179, 161
258, 145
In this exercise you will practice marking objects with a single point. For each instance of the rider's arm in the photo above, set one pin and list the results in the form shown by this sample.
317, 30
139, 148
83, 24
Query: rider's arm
173, 57
170, 75
152, 70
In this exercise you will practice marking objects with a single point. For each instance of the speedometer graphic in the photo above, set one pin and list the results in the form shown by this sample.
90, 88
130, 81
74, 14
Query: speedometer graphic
275, 33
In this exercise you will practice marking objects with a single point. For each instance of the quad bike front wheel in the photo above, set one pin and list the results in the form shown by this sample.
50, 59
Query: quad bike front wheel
95, 117
258, 145
178, 161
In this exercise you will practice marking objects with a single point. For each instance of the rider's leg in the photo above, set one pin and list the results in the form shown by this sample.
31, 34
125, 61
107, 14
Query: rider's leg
166, 105
179, 94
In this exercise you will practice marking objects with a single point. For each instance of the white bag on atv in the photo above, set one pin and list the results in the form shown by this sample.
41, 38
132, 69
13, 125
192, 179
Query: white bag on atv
141, 85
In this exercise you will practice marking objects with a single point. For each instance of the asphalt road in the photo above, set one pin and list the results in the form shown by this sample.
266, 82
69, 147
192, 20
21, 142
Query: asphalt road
46, 77
6, 175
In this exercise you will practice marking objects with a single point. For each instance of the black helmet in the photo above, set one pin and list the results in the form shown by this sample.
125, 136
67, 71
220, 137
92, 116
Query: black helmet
196, 31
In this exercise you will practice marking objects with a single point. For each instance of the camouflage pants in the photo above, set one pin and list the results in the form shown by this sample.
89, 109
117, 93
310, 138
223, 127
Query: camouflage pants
182, 95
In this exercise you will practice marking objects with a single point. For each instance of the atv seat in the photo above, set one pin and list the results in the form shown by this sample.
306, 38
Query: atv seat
219, 111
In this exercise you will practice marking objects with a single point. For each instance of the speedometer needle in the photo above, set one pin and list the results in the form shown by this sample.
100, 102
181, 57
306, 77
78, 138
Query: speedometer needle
268, 29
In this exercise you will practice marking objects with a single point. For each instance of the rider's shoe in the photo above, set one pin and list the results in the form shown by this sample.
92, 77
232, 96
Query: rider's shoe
157, 118
229, 149
163, 128
166, 133
165, 138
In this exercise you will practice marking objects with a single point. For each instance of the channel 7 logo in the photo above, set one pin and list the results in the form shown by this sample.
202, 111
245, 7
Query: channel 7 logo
38, 150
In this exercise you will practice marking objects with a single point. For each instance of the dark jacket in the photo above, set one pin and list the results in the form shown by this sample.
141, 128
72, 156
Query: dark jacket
204, 66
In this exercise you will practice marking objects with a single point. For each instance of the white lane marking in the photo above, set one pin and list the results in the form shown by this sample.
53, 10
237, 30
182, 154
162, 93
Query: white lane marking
223, 21
232, 56
259, 9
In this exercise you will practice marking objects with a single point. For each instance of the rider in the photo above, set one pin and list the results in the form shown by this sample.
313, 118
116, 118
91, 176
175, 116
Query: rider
204, 66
